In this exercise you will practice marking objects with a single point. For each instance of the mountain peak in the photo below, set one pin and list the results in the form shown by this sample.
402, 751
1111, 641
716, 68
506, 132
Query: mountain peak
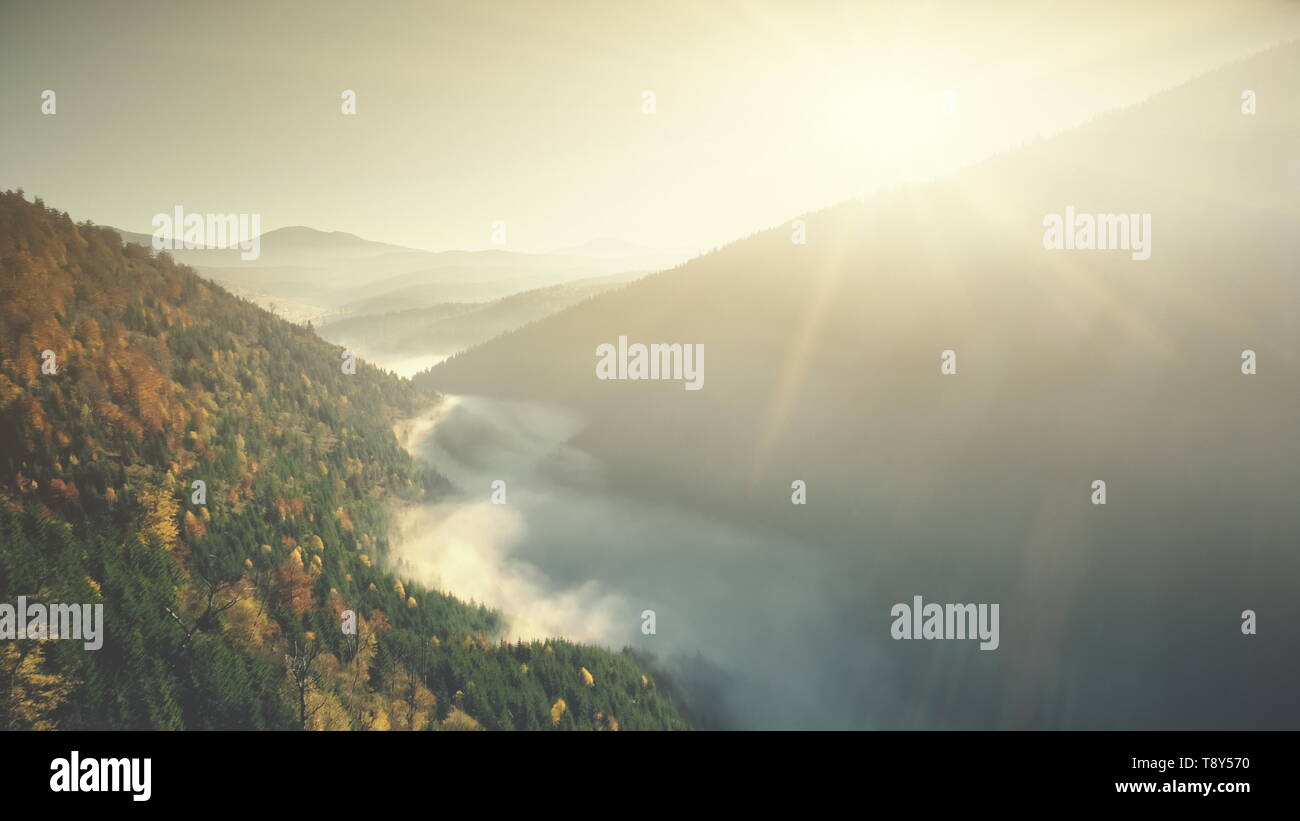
302, 234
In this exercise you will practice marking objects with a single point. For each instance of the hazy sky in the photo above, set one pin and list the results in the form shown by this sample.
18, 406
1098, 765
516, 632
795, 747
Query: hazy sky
532, 112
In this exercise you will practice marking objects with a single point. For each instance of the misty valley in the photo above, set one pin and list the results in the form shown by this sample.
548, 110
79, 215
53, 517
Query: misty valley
973, 452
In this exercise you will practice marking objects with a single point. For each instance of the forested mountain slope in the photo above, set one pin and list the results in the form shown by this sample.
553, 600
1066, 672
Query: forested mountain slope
227, 612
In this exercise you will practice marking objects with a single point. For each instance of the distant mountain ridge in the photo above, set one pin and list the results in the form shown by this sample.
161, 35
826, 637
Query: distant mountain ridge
416, 338
306, 274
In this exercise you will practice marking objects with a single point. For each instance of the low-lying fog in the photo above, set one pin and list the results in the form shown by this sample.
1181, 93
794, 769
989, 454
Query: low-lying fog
565, 557
1126, 620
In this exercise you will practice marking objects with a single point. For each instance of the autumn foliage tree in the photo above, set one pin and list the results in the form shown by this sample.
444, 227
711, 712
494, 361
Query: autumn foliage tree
227, 613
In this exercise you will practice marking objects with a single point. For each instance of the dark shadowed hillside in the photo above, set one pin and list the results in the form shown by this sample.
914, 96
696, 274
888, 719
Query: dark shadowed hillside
823, 365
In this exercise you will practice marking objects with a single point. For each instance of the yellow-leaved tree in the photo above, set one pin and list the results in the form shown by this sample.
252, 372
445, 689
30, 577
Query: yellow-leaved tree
160, 508
33, 694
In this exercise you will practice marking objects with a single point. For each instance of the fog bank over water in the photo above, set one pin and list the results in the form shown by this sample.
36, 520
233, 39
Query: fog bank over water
566, 557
